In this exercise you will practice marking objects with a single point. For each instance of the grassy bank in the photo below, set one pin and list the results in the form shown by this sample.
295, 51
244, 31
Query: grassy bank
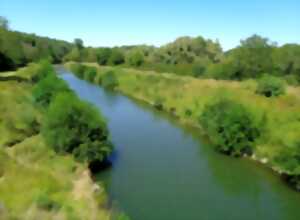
277, 118
36, 182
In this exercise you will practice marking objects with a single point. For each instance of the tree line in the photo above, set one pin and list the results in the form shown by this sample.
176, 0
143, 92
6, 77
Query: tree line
18, 49
198, 57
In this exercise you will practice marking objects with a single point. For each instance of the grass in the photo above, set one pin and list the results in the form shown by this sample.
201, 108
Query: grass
35, 182
186, 97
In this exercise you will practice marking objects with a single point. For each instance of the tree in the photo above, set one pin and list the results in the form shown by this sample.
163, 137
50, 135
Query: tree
103, 55
74, 55
135, 58
270, 86
287, 60
4, 23
116, 57
231, 128
45, 91
76, 127
251, 59
78, 43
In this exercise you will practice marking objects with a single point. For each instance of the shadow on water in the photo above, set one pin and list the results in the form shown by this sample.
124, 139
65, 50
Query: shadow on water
163, 170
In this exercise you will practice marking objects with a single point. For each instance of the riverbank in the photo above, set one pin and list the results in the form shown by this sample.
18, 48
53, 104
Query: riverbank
35, 181
186, 97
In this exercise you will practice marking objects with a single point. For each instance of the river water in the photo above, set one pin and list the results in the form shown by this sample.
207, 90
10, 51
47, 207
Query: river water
165, 171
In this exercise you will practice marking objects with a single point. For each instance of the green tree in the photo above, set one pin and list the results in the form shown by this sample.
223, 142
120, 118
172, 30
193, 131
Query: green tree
3, 23
78, 43
90, 73
287, 60
74, 126
230, 126
45, 91
270, 86
252, 58
74, 55
135, 58
103, 55
116, 57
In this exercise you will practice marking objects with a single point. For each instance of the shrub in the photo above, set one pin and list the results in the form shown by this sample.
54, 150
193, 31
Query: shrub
43, 69
78, 69
74, 126
231, 128
44, 202
116, 57
198, 70
103, 55
109, 80
44, 92
270, 86
159, 103
90, 73
135, 58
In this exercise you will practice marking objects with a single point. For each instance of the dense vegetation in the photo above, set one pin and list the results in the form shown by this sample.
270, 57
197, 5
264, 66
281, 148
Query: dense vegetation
263, 120
70, 125
17, 49
198, 57
230, 126
41, 120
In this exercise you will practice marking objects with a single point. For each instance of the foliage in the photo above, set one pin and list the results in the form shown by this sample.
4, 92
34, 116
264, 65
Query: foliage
109, 80
230, 127
73, 126
116, 57
270, 86
45, 91
43, 201
135, 58
90, 73
33, 176
78, 69
18, 49
3, 23
78, 43
43, 69
103, 55
74, 55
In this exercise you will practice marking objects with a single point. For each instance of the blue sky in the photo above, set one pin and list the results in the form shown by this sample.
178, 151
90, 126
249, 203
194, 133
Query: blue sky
156, 22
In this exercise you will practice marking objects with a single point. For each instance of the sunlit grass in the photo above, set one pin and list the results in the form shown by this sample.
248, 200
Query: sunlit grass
35, 182
186, 97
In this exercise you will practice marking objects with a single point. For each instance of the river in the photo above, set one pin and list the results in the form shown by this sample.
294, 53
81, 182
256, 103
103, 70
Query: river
165, 171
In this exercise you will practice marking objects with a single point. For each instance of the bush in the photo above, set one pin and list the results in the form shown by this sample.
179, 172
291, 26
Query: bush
109, 80
73, 126
43, 69
231, 128
103, 55
116, 57
78, 69
44, 202
44, 92
198, 70
270, 86
90, 73
135, 58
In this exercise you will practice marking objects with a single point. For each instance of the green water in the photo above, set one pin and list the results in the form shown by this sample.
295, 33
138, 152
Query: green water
164, 171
